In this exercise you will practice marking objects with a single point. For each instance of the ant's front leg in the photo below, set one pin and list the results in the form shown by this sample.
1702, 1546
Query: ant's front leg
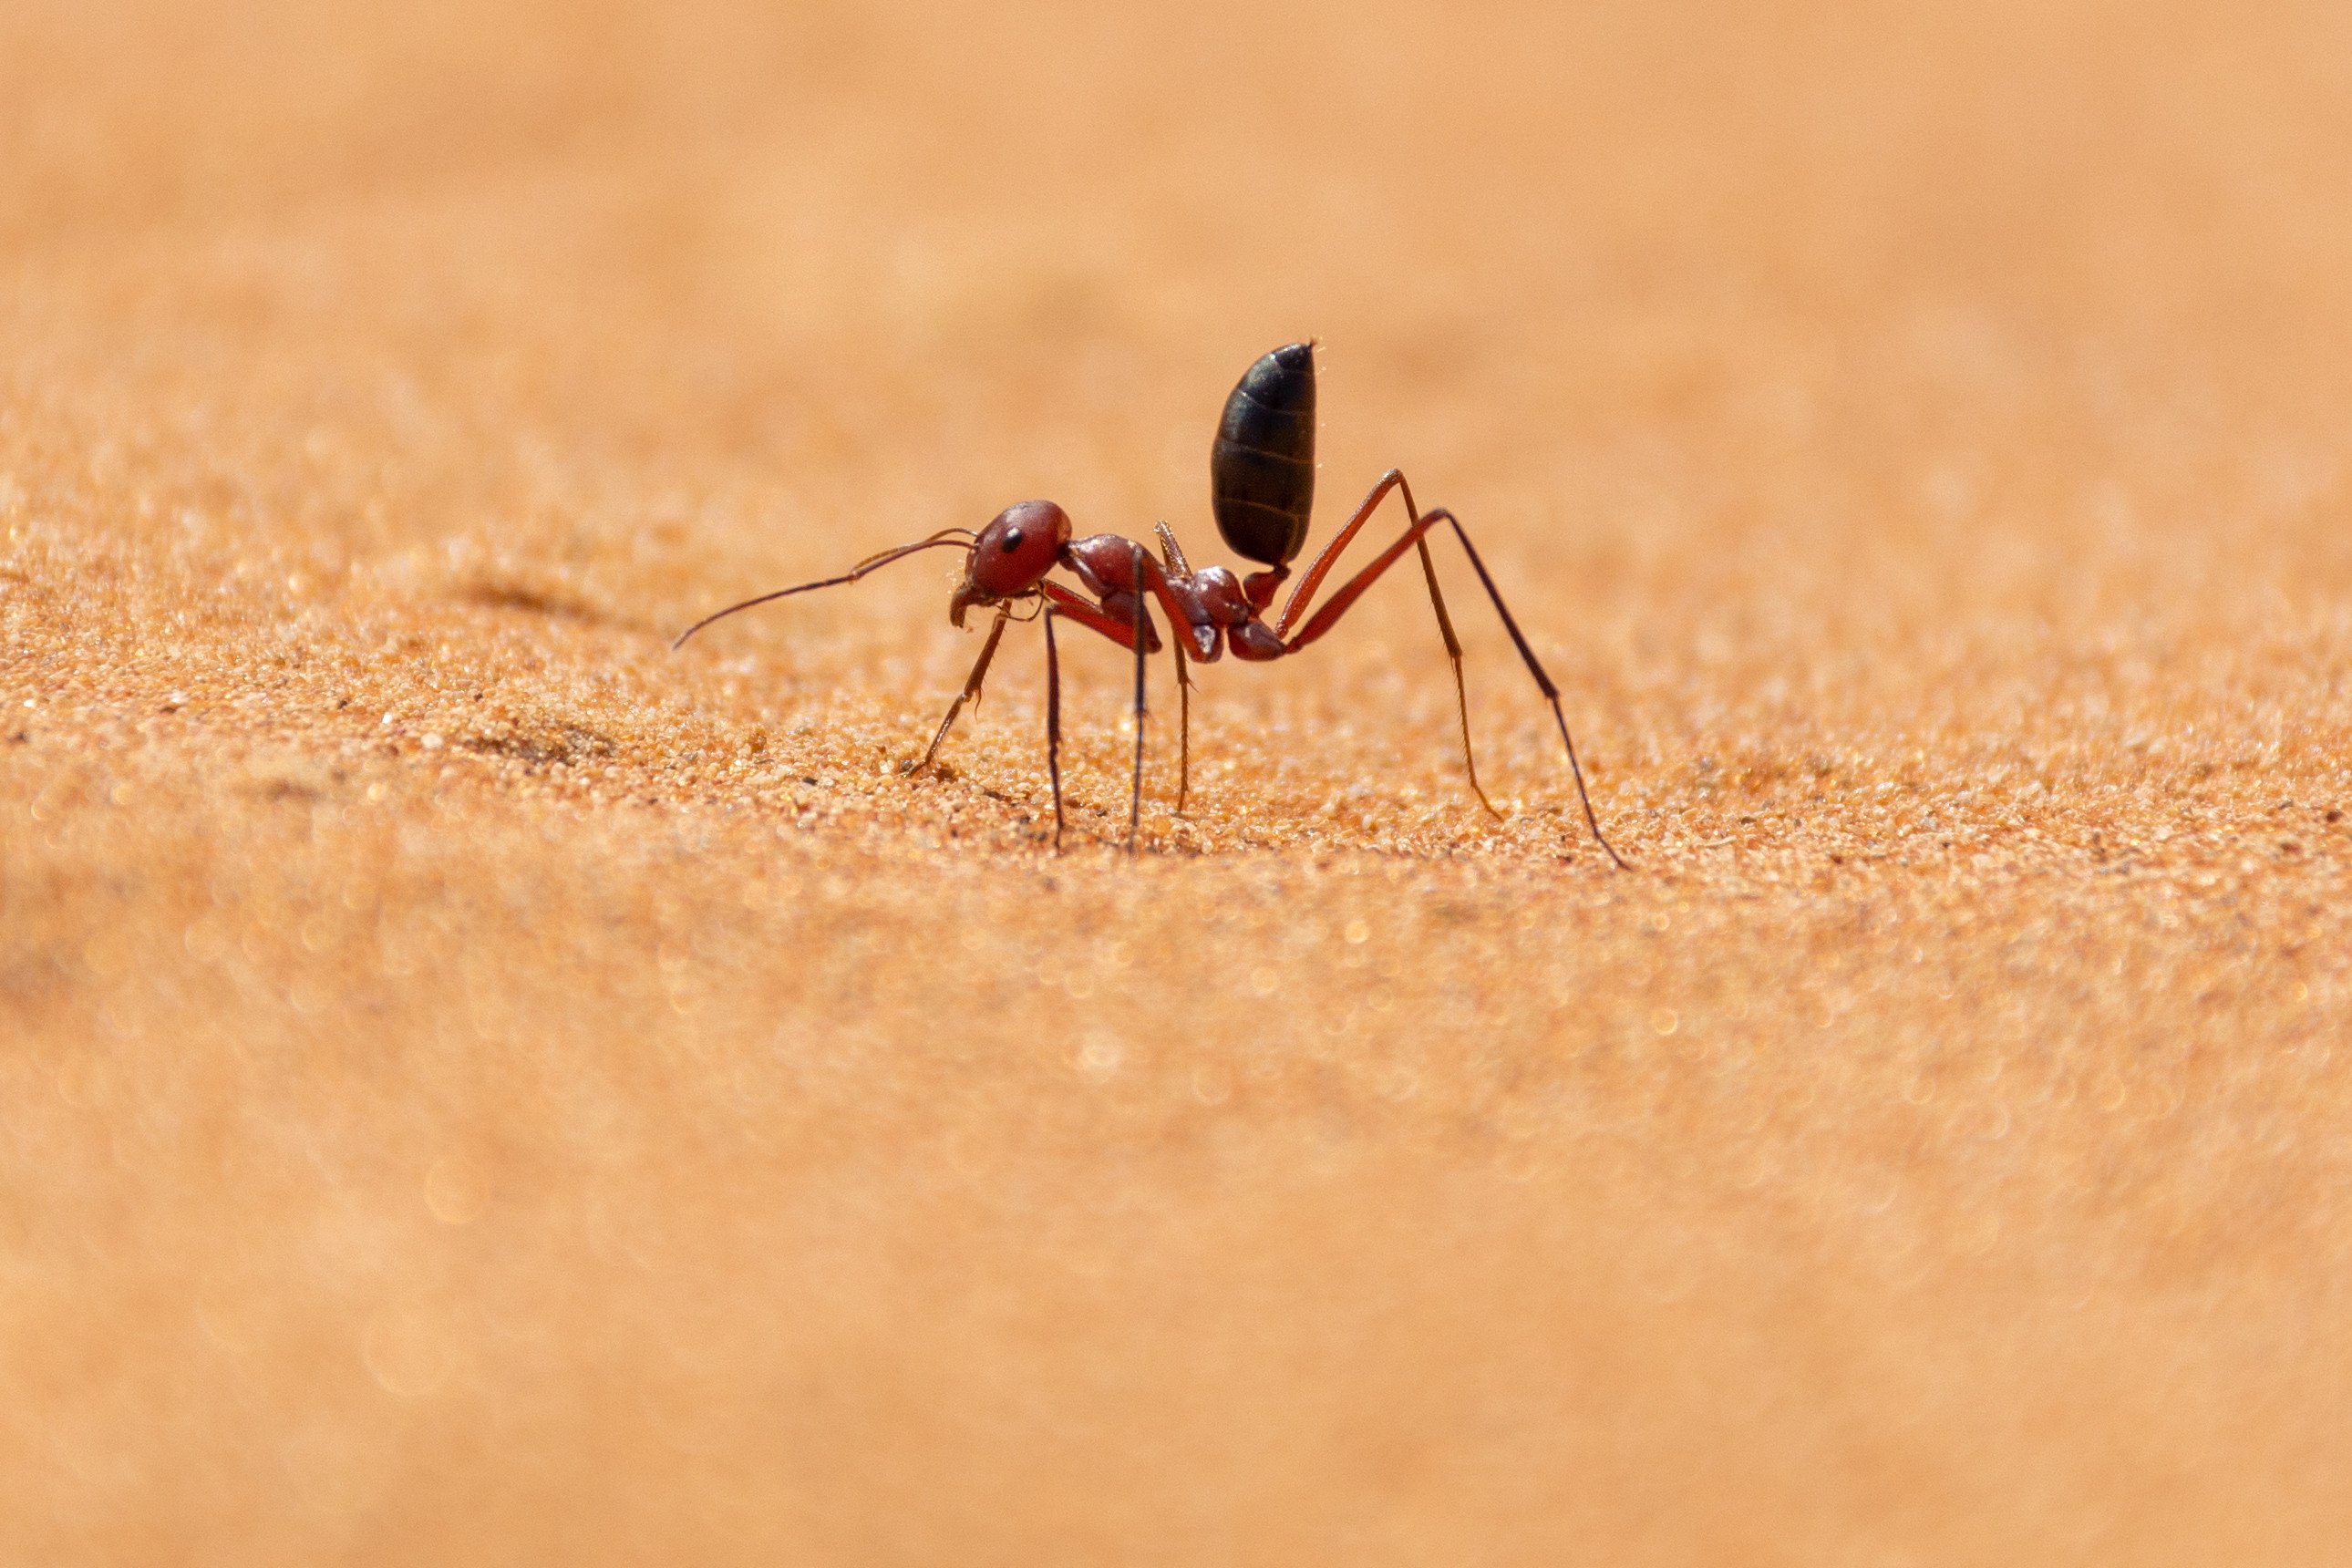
1119, 625
971, 692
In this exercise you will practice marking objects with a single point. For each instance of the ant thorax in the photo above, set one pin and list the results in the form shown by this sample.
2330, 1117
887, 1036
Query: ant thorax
1208, 601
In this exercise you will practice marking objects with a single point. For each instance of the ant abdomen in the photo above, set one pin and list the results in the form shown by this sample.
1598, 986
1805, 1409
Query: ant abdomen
1262, 469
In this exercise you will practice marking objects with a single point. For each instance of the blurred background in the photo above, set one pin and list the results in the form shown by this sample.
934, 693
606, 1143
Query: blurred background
482, 1088
1746, 303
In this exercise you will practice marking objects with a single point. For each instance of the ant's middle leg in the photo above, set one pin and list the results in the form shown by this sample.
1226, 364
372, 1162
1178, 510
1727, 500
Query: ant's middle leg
1053, 724
1184, 724
1172, 559
1135, 797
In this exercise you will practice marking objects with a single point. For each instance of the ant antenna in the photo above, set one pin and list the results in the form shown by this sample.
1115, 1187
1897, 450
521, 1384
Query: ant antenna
871, 563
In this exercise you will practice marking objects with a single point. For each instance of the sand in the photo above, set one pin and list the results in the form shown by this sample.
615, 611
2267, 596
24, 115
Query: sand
479, 1087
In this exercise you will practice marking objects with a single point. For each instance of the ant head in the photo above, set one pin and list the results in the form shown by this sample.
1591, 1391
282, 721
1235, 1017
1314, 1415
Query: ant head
1010, 555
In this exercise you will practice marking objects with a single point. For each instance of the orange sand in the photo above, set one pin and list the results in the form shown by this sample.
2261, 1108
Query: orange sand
479, 1088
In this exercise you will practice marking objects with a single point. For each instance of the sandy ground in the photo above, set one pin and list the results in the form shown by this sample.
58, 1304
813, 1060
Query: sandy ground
478, 1087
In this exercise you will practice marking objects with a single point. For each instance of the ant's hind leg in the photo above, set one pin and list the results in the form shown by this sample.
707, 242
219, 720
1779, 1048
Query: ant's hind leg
971, 692
1324, 619
1543, 682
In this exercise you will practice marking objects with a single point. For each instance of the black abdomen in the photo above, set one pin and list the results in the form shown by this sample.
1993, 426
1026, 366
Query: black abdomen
1262, 469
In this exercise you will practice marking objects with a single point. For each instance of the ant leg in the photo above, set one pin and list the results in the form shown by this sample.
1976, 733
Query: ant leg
1183, 725
1172, 554
971, 692
1135, 799
1094, 619
1136, 634
1053, 725
1452, 652
1303, 594
1172, 557
1312, 583
1543, 682
1328, 616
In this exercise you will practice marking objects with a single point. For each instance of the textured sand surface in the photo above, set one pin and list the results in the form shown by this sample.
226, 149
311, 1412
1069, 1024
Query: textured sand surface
477, 1087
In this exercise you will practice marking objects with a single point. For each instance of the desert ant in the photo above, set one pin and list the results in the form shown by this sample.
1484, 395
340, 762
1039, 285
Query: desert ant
1262, 488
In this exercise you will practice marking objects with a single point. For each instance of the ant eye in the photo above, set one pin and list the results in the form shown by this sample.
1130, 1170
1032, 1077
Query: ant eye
1012, 539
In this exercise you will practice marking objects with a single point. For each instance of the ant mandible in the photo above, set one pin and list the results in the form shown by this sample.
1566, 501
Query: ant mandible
1262, 490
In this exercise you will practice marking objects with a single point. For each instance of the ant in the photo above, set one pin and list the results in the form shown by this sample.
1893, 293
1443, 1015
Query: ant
1262, 490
